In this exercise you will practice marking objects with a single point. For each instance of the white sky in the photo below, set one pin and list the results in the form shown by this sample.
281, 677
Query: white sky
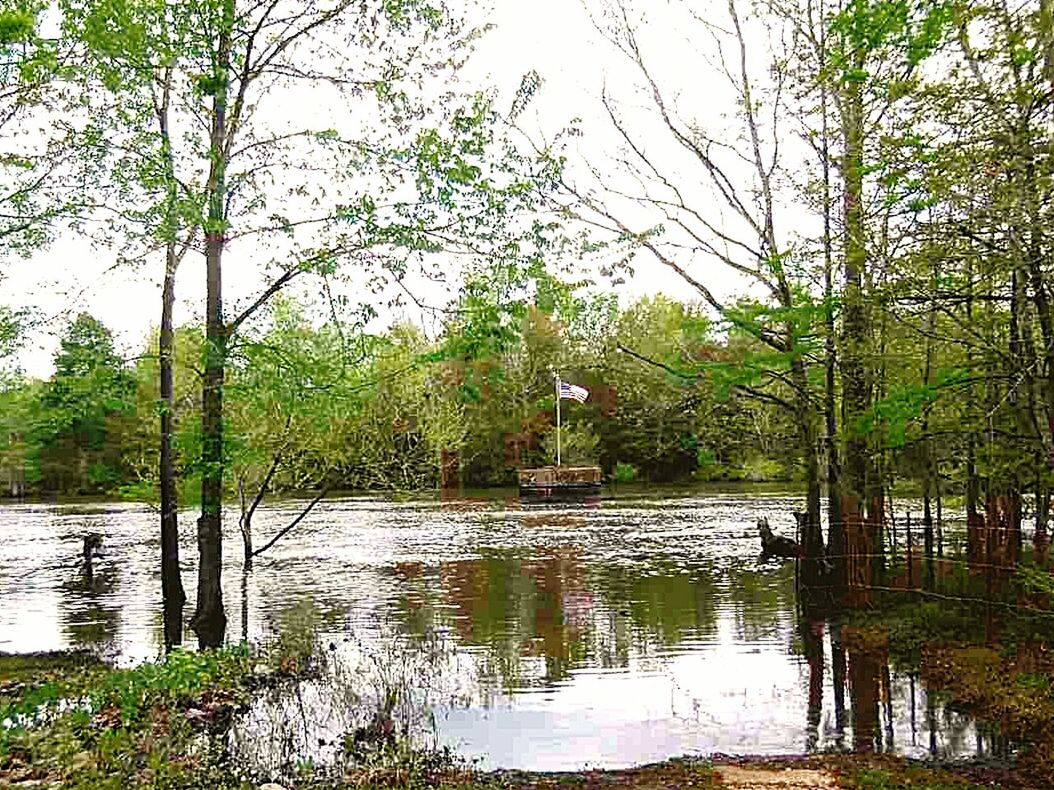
553, 37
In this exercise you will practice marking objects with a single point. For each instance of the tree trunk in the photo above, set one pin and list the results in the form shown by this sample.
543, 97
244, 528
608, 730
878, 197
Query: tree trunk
835, 527
930, 471
927, 538
858, 516
245, 526
974, 519
172, 593
812, 578
210, 620
1041, 539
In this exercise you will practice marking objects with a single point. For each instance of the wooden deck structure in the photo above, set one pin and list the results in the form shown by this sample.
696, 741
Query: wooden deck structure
560, 482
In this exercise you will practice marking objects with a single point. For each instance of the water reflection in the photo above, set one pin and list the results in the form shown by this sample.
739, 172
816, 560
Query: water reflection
631, 632
90, 611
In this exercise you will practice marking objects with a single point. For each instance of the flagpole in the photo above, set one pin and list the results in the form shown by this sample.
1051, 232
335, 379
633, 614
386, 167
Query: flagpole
557, 420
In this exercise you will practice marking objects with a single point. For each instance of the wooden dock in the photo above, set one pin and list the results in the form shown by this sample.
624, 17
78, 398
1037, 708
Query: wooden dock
560, 482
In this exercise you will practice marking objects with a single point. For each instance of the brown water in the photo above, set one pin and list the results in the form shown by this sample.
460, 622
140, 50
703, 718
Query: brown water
540, 638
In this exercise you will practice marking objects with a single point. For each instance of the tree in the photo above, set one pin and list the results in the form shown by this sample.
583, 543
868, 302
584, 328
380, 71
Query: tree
82, 406
31, 197
661, 210
419, 177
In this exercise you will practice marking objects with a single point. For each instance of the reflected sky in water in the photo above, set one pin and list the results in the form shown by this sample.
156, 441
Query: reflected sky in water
639, 629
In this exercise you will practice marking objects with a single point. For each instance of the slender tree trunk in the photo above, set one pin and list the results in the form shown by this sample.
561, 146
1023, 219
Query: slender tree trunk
835, 527
1041, 539
210, 619
929, 485
245, 526
974, 519
812, 534
173, 595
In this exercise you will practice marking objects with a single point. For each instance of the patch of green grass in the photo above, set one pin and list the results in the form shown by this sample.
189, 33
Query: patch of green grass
86, 725
18, 665
914, 778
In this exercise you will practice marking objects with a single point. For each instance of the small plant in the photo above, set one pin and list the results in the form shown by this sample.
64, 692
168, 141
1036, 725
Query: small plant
297, 648
625, 473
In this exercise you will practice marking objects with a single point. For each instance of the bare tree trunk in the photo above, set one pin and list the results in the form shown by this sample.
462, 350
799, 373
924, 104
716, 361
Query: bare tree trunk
172, 593
245, 521
835, 527
210, 620
245, 525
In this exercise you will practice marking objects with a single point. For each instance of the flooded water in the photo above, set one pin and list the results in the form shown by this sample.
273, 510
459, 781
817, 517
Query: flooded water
642, 628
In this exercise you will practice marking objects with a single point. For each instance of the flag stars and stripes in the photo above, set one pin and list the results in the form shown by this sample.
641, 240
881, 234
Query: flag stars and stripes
573, 392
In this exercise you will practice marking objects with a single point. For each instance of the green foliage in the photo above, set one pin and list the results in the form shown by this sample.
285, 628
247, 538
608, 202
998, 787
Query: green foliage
906, 403
10, 341
85, 725
83, 412
340, 407
17, 23
625, 473
180, 676
913, 29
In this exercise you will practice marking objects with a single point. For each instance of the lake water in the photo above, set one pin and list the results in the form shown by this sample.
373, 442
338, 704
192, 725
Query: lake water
546, 638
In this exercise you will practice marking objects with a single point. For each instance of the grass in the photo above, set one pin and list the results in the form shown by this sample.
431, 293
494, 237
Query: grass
908, 777
81, 724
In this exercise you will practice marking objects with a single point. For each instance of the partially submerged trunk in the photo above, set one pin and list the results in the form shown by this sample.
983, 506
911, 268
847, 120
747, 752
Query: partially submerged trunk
173, 596
210, 619
245, 525
812, 544
862, 505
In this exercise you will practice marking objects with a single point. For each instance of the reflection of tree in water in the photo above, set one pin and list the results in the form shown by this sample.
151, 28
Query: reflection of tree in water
90, 614
553, 611
660, 604
863, 655
762, 601
812, 647
868, 656
514, 606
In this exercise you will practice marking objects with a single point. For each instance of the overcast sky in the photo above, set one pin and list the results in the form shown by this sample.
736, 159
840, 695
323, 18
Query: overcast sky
553, 37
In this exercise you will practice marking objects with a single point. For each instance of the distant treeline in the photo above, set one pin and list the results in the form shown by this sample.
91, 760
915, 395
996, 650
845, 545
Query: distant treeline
321, 404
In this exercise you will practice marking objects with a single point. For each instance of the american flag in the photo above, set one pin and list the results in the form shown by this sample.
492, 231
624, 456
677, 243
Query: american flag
573, 392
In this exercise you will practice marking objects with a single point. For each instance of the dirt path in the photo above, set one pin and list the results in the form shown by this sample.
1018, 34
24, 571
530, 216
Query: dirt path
740, 778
